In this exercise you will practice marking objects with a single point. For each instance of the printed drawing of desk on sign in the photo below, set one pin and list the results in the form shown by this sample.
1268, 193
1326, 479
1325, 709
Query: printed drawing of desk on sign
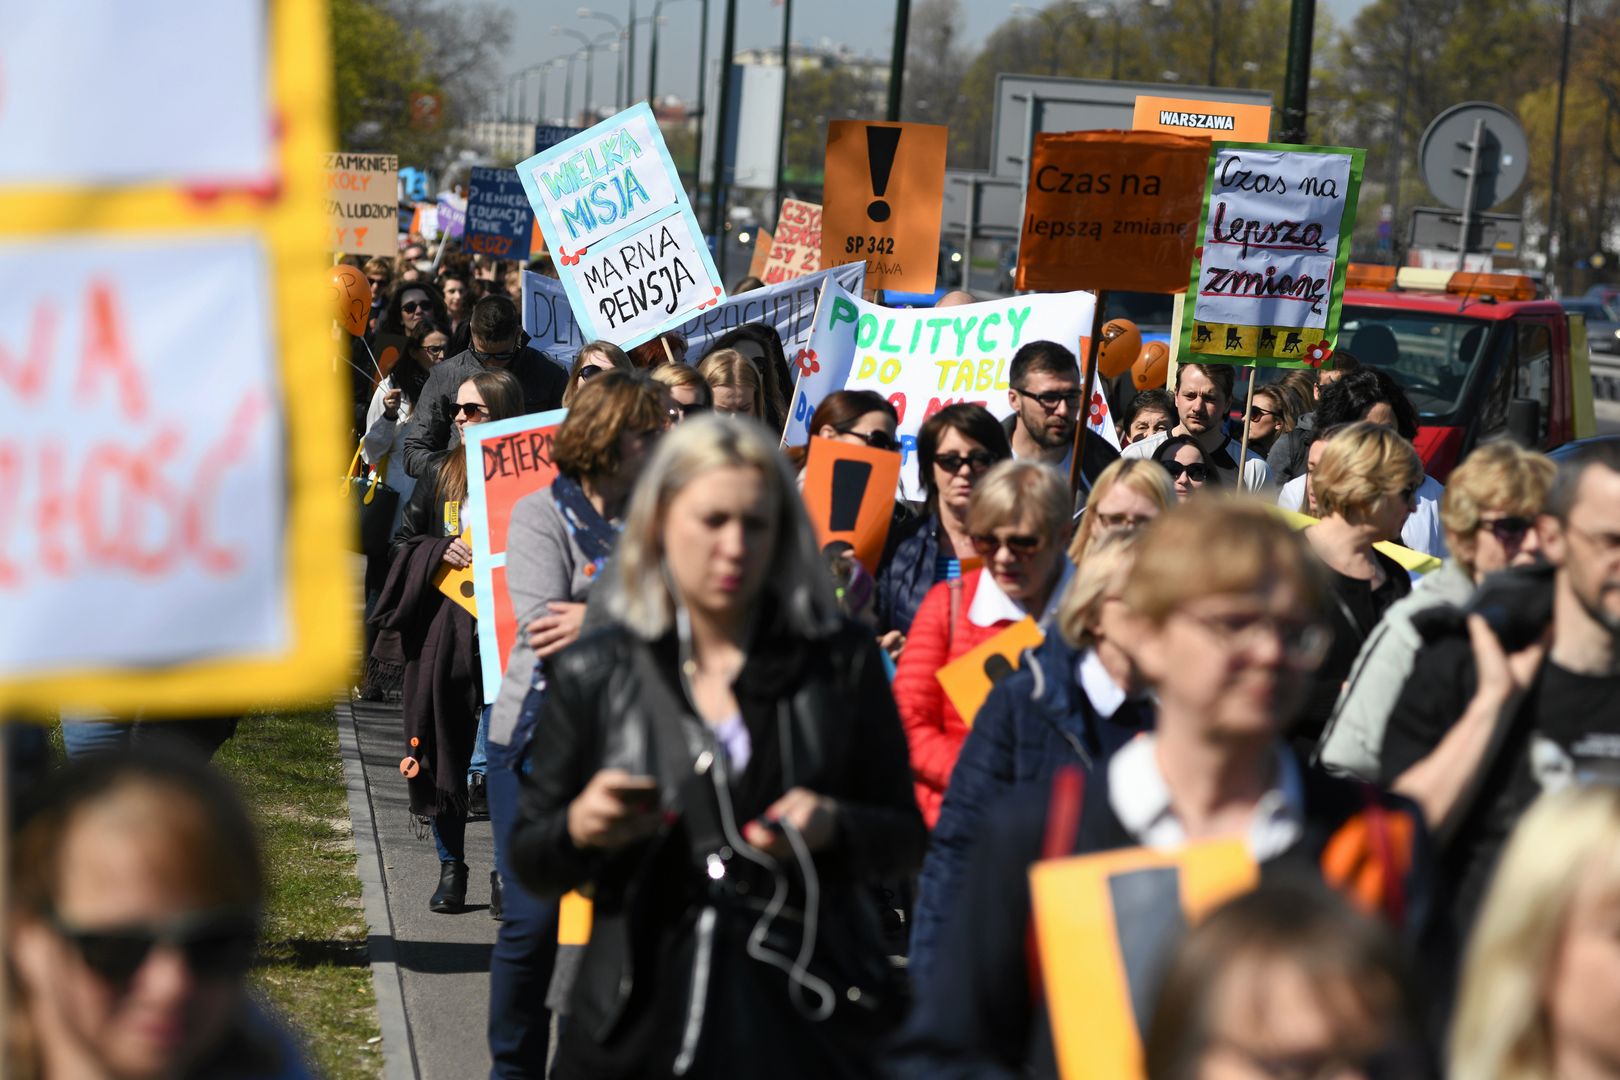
615, 216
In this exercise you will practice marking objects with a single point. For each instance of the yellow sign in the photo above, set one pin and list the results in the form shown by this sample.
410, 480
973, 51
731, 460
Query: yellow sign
458, 584
1214, 340
181, 545
967, 680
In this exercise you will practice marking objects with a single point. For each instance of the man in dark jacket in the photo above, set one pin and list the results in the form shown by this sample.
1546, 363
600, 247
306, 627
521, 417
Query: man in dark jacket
1045, 399
496, 333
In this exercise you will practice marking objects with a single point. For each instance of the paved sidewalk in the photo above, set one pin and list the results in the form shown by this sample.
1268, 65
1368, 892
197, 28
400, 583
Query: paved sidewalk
431, 971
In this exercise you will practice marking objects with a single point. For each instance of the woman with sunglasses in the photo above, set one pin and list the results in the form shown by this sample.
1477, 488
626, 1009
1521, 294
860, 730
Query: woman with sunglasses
593, 359
136, 897
860, 417
1018, 522
435, 640
955, 448
1489, 511
1364, 483
1269, 417
687, 389
412, 303
1187, 465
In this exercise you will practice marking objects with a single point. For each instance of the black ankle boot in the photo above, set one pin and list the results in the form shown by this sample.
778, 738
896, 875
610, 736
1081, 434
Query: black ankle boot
451, 895
495, 895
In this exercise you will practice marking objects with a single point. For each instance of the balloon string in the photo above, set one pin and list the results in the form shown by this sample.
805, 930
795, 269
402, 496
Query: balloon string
369, 353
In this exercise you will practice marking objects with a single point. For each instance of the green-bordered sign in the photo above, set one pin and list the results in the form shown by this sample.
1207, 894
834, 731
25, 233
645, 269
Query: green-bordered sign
1269, 282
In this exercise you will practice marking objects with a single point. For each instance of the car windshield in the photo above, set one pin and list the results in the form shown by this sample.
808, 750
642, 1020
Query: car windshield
1433, 357
1592, 309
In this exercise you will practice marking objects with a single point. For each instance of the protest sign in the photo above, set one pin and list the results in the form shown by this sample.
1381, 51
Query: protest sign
1105, 926
506, 460
796, 245
788, 307
360, 203
1205, 119
499, 219
616, 219
968, 679
885, 193
452, 215
188, 499
548, 135
922, 359
762, 252
849, 496
457, 582
1276, 238
1111, 210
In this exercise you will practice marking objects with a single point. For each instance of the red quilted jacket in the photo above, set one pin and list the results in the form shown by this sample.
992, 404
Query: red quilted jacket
934, 730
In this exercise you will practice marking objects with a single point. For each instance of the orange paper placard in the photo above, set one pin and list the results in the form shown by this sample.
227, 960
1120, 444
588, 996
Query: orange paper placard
967, 679
1225, 120
1112, 210
885, 194
574, 916
796, 246
762, 253
849, 495
1104, 925
458, 584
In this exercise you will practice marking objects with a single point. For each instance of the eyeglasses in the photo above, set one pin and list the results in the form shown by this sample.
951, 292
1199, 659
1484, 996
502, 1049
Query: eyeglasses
1304, 644
411, 307
214, 945
1509, 530
1021, 547
877, 439
487, 358
433, 350
977, 460
1257, 413
1122, 521
1197, 472
1051, 399
469, 409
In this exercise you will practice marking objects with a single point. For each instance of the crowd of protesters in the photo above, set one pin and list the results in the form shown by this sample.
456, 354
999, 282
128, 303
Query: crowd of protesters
803, 859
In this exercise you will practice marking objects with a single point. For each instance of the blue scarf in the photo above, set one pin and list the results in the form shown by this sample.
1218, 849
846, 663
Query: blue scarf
593, 534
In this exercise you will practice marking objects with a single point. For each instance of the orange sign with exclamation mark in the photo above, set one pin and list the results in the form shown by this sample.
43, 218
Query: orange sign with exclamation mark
885, 194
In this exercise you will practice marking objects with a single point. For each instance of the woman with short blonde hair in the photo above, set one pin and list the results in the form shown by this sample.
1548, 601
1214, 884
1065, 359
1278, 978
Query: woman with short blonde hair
686, 388
1130, 493
1361, 465
736, 383
1540, 990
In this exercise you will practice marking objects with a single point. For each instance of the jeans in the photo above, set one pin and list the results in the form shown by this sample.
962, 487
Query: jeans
480, 755
84, 736
525, 950
450, 836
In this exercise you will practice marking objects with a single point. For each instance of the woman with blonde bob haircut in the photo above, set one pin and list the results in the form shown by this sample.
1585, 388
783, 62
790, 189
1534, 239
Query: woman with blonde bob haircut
595, 358
724, 722
1541, 981
1130, 493
1365, 483
1018, 525
736, 384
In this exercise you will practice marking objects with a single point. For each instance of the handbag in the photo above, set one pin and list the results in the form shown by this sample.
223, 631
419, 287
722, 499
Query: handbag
375, 504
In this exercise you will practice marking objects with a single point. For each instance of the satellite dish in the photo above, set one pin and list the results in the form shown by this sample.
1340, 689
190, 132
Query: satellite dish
1504, 155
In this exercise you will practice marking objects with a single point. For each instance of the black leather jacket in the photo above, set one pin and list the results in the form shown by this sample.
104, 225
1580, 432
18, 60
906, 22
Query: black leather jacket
822, 718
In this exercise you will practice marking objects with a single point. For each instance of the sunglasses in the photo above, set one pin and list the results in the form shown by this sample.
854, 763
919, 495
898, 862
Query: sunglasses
1509, 530
411, 307
1257, 413
469, 409
1051, 399
378, 283
487, 358
591, 371
877, 440
1122, 521
1021, 547
978, 460
214, 945
693, 409
1197, 472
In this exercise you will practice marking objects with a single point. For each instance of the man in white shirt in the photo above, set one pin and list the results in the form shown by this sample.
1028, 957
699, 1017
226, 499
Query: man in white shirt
1203, 399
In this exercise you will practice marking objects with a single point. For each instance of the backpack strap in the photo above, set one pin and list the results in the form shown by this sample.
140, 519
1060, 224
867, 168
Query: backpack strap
1062, 828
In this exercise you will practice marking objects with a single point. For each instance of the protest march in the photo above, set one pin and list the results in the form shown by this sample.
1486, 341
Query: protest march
999, 556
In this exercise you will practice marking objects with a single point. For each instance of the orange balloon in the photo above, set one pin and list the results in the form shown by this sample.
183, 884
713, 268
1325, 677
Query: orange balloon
1152, 366
1121, 341
351, 297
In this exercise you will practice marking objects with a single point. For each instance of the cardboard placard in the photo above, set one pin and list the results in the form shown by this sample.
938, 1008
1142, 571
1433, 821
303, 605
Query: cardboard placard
762, 252
1111, 210
191, 502
789, 308
1203, 119
967, 680
616, 220
361, 190
506, 460
1276, 239
922, 359
500, 221
1105, 926
458, 584
796, 244
885, 194
849, 494
452, 217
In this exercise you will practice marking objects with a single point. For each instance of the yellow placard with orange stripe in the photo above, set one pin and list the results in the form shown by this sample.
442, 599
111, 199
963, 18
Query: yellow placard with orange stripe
1272, 342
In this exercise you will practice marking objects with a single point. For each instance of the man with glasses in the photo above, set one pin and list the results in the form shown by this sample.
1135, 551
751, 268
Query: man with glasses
1045, 400
1203, 399
498, 344
1479, 732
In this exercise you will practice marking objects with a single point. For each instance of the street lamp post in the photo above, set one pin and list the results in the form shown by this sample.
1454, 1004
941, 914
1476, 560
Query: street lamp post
1101, 11
781, 116
897, 58
618, 32
590, 57
718, 185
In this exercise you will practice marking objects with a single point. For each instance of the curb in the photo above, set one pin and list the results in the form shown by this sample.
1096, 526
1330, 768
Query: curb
399, 1051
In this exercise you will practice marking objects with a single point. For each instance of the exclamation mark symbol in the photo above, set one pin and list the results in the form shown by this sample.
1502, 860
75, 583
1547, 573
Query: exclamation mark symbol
848, 491
881, 143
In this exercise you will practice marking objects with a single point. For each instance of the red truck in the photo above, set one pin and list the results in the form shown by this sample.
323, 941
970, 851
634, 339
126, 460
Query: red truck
1477, 354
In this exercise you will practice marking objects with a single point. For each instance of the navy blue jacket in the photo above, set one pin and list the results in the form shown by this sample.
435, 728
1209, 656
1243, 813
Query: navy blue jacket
907, 571
1034, 722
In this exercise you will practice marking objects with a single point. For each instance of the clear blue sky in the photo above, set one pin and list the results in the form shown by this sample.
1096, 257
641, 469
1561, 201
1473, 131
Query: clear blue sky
866, 26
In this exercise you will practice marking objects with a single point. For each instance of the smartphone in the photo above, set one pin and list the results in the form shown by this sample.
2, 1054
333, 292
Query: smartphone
640, 793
